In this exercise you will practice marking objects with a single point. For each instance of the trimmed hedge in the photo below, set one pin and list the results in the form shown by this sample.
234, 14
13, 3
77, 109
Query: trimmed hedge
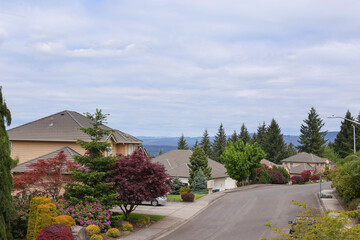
65, 220
34, 203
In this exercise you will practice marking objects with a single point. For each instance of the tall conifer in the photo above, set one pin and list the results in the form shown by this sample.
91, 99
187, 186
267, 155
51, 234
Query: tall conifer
244, 134
182, 145
261, 135
198, 161
219, 144
274, 145
344, 141
205, 144
6, 184
234, 137
312, 139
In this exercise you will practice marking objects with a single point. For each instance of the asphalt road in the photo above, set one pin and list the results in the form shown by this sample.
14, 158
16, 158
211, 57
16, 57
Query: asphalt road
241, 215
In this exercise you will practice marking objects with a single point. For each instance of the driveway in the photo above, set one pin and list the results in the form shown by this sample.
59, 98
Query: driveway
164, 210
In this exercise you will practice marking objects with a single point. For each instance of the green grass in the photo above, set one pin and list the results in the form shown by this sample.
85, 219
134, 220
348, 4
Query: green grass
135, 216
177, 198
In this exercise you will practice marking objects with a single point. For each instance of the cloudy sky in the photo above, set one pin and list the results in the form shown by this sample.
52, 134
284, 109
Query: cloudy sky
162, 68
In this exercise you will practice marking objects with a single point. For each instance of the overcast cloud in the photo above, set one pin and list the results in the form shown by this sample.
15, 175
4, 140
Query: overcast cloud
162, 68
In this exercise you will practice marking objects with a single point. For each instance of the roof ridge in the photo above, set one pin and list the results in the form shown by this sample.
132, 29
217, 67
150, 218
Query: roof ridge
78, 123
36, 120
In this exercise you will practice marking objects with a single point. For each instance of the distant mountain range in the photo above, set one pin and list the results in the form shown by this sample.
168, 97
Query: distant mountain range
166, 144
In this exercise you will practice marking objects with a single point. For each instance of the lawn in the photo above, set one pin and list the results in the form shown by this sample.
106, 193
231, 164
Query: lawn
177, 198
135, 216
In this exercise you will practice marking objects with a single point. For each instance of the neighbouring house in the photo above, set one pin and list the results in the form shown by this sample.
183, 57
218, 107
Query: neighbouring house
176, 163
305, 161
271, 164
48, 134
23, 167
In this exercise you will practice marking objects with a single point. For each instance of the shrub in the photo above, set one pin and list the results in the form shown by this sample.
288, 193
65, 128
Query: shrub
44, 216
353, 204
113, 232
20, 218
263, 176
65, 220
187, 197
93, 229
199, 184
126, 226
96, 237
184, 190
34, 204
55, 231
315, 178
86, 213
297, 179
176, 185
283, 172
306, 175
143, 220
277, 177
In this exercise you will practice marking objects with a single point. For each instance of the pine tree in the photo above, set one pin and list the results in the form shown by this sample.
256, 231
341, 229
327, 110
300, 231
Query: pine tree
92, 184
195, 145
6, 206
176, 185
312, 139
244, 134
290, 150
198, 161
219, 144
160, 152
199, 185
274, 145
234, 137
205, 144
261, 135
344, 141
182, 145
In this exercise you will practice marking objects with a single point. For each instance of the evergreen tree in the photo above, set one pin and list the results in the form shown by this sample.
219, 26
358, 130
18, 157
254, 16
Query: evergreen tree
312, 139
160, 152
274, 145
261, 135
205, 144
92, 185
182, 145
344, 141
6, 206
199, 185
234, 137
219, 144
198, 161
290, 150
195, 145
176, 185
244, 134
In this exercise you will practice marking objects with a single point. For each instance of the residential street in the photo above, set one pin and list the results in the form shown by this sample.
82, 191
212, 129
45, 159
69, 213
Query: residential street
242, 214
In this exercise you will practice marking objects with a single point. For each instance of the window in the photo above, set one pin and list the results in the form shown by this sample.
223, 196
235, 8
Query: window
108, 151
131, 149
291, 165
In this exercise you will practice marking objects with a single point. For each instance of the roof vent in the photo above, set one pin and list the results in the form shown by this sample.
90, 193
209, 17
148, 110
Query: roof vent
51, 122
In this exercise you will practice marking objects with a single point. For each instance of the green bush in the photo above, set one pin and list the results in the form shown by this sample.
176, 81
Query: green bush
264, 177
113, 232
93, 229
177, 184
96, 237
126, 226
199, 185
143, 220
283, 172
184, 190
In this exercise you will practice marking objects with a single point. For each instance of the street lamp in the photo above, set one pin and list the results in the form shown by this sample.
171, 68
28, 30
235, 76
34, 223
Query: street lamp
352, 121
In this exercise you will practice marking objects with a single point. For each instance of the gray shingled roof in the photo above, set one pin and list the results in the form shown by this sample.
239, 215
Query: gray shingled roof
63, 127
300, 168
23, 167
304, 157
176, 162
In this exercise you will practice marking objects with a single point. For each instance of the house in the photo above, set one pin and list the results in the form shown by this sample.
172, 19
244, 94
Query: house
271, 164
23, 167
305, 161
176, 163
56, 131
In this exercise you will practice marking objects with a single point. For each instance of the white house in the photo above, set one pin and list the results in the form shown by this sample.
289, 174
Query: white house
176, 164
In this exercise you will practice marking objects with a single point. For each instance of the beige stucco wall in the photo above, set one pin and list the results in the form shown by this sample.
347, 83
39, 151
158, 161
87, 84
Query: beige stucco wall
27, 150
321, 167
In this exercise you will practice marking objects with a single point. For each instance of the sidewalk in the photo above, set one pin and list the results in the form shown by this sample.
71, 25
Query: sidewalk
330, 204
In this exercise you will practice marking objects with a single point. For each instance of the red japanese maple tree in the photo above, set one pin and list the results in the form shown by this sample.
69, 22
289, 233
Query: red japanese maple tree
137, 179
46, 176
306, 174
